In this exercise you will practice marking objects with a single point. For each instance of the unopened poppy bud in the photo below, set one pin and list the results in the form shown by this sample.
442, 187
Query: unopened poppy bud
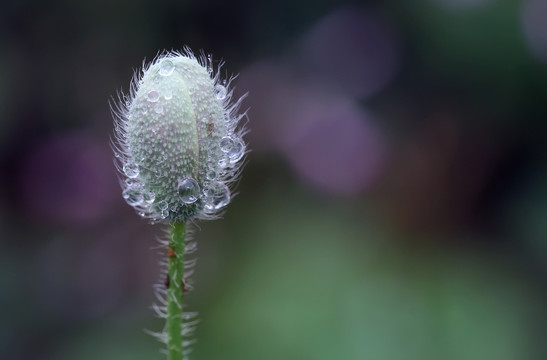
180, 143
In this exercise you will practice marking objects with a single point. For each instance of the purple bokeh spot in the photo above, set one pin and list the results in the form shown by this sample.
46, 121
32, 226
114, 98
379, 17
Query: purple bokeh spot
351, 51
68, 179
534, 24
335, 148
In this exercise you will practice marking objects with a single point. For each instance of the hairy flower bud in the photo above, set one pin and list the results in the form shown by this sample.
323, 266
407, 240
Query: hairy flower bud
180, 142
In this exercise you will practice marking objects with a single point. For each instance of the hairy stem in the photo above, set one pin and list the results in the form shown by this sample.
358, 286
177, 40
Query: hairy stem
175, 290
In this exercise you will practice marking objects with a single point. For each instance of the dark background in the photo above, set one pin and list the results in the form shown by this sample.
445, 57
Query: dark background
394, 204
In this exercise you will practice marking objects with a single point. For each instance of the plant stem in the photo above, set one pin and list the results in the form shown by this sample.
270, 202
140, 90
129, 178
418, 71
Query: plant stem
175, 290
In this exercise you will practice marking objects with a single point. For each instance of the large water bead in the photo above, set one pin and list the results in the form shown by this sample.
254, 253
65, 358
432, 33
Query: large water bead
216, 196
188, 190
131, 170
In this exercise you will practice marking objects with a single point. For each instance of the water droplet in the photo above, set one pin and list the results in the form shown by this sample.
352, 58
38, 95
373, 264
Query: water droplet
174, 208
163, 205
168, 95
224, 162
148, 196
166, 67
237, 151
211, 174
188, 190
131, 170
133, 196
217, 197
158, 173
153, 96
164, 213
158, 109
226, 144
220, 92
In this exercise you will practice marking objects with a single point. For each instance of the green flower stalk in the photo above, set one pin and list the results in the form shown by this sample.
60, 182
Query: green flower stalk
179, 145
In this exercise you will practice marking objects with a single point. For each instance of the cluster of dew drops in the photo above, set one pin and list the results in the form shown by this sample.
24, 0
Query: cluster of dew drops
215, 193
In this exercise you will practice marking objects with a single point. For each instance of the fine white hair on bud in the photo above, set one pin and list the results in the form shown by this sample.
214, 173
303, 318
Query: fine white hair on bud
179, 139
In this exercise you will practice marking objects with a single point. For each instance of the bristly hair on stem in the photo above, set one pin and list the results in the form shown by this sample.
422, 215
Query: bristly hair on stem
175, 283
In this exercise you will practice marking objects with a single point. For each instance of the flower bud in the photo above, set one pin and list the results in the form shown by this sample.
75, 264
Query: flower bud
180, 143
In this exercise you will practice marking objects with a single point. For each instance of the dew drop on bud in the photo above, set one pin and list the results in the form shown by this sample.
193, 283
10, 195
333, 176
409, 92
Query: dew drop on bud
220, 92
211, 174
216, 197
133, 196
148, 196
153, 96
131, 170
188, 190
224, 162
166, 67
162, 205
158, 109
236, 152
226, 144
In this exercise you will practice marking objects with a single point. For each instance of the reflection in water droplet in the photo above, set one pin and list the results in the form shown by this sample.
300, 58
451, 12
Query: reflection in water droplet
166, 67
168, 94
237, 151
216, 197
133, 196
131, 170
226, 144
224, 162
148, 196
188, 190
164, 213
220, 92
153, 96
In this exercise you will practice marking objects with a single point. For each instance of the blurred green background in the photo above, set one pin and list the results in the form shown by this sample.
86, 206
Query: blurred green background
394, 204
